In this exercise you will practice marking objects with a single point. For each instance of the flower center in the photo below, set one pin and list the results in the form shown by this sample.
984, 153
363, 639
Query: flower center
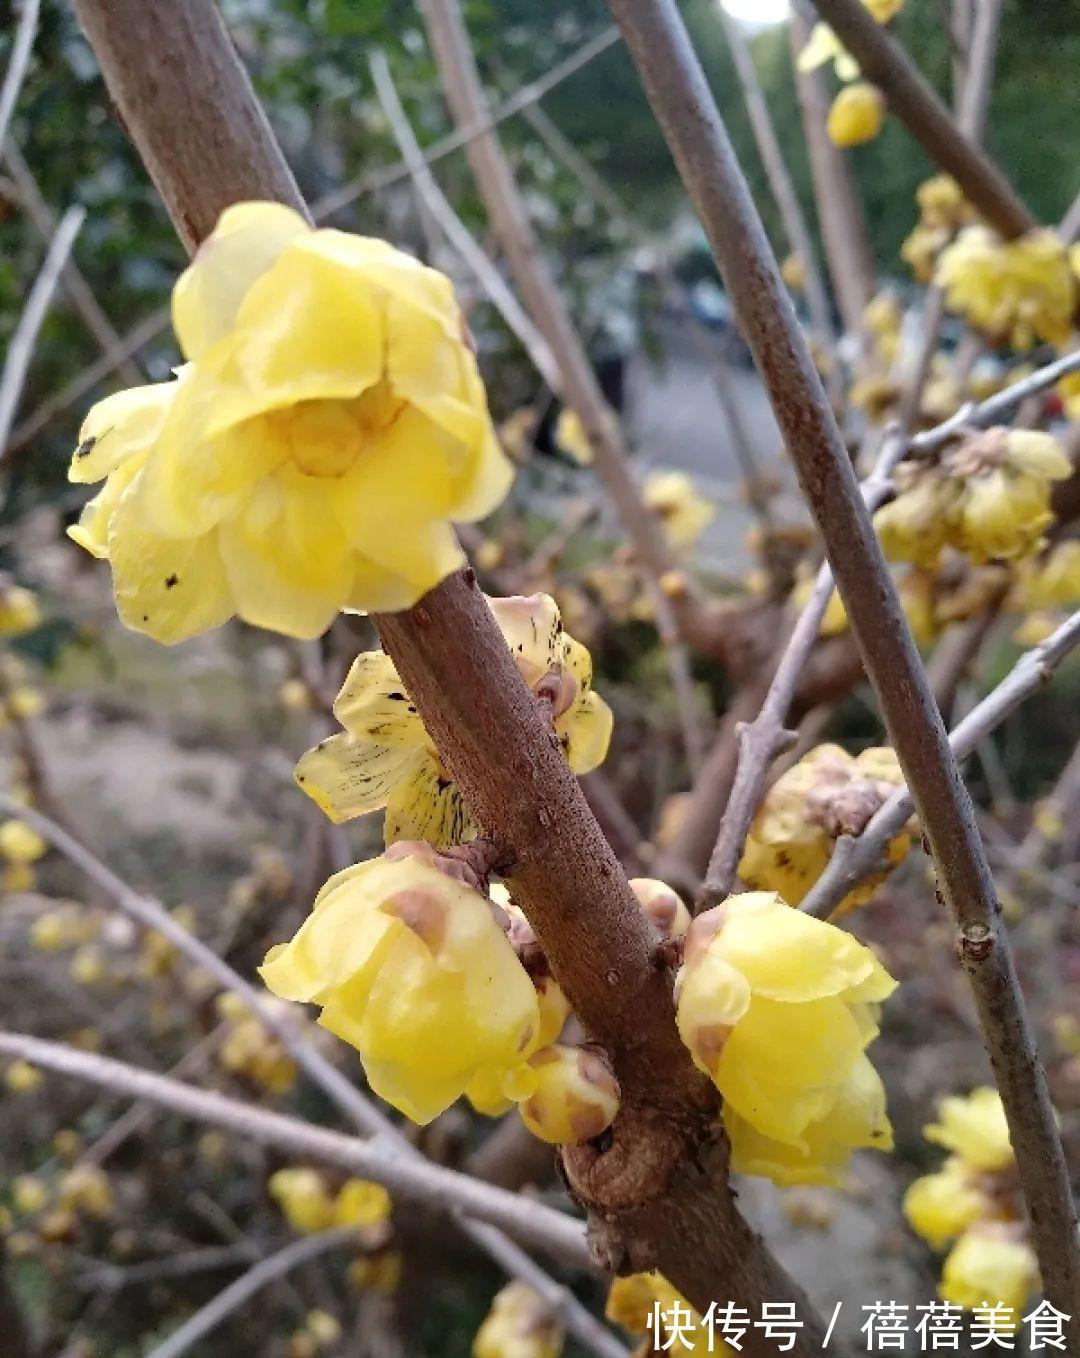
324, 438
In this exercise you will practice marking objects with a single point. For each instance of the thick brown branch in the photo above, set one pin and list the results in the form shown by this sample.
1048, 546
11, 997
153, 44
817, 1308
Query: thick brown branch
680, 96
882, 60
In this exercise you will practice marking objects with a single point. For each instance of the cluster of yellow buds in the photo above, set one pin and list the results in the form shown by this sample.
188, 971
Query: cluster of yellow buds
249, 1052
81, 1194
520, 1324
574, 1095
683, 511
309, 1204
327, 428
759, 982
385, 757
988, 497
19, 609
973, 1203
20, 848
269, 881
571, 437
1016, 292
943, 210
1042, 586
828, 793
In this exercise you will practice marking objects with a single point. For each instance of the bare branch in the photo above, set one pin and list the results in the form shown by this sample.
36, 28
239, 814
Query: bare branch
854, 860
21, 50
1070, 223
21, 348
410, 1178
679, 93
883, 61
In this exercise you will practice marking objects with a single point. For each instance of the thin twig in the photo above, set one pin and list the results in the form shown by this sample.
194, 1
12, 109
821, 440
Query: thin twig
207, 1318
456, 232
18, 64
883, 61
1070, 223
682, 100
855, 859
21, 348
410, 1178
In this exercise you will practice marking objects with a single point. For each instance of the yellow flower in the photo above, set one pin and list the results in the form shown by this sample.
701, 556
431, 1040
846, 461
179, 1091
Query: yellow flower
662, 906
304, 1199
793, 272
385, 758
329, 425
921, 249
941, 1206
361, 1204
86, 1188
25, 702
683, 512
250, 1052
29, 1194
824, 46
828, 793
520, 1324
835, 619
761, 982
942, 203
410, 967
973, 1128
1003, 478
376, 1272
20, 844
884, 10
324, 1328
1021, 291
635, 1299
989, 1265
874, 394
882, 314
21, 1076
575, 1095
1069, 391
571, 437
914, 526
1051, 582
19, 611
856, 115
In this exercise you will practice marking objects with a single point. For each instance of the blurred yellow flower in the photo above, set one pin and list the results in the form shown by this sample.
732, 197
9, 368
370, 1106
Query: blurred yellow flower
683, 512
1052, 581
21, 1077
384, 758
304, 1199
1069, 391
637, 1299
410, 967
824, 46
662, 907
793, 272
1019, 291
86, 1188
20, 844
575, 1096
761, 982
828, 793
921, 249
973, 1127
329, 425
942, 203
571, 437
940, 1206
361, 1204
520, 1324
988, 1264
379, 1272
856, 115
19, 611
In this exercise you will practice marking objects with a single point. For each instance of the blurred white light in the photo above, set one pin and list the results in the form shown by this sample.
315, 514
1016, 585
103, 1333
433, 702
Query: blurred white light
758, 11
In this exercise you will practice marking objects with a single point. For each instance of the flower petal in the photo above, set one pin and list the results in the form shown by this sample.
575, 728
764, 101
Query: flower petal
346, 777
427, 805
119, 427
586, 732
373, 703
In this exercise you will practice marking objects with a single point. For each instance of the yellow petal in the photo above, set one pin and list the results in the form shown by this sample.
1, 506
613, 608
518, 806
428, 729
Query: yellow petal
245, 242
586, 732
426, 805
169, 588
288, 565
347, 778
823, 45
373, 703
119, 427
532, 628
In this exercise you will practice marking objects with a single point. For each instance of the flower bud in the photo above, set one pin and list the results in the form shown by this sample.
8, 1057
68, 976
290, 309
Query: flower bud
520, 1324
856, 115
576, 1095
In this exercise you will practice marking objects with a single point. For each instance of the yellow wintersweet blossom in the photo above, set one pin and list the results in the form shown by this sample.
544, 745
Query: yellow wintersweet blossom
824, 46
662, 907
761, 982
575, 1095
85, 1188
681, 509
989, 497
828, 793
793, 272
361, 1205
1053, 581
19, 611
520, 1324
635, 1299
973, 1128
990, 1264
329, 425
571, 437
304, 1198
922, 248
384, 758
1019, 291
942, 203
410, 967
20, 844
856, 114
941, 1206
21, 1077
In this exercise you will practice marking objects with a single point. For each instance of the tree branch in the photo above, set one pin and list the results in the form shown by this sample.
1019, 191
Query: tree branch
855, 859
18, 64
410, 1178
679, 93
883, 61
